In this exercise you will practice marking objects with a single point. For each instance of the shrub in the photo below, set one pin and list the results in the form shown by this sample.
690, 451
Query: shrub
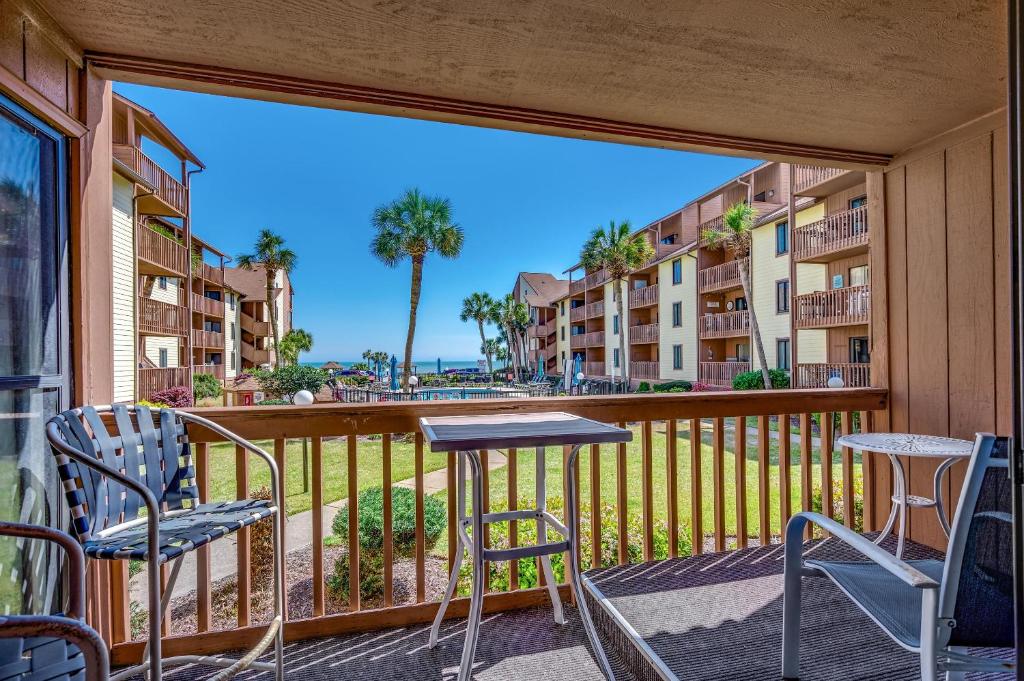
644, 387
176, 397
291, 379
699, 387
274, 403
673, 387
261, 543
371, 576
152, 405
403, 520
204, 386
837, 502
752, 380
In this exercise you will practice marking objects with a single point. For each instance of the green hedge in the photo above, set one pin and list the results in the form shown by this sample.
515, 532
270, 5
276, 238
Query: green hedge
403, 520
752, 380
205, 385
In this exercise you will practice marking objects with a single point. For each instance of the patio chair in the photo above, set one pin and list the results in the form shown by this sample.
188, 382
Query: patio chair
52, 647
104, 477
935, 608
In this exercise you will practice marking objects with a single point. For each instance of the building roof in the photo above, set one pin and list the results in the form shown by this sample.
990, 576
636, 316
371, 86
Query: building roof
331, 365
156, 130
548, 288
801, 203
249, 283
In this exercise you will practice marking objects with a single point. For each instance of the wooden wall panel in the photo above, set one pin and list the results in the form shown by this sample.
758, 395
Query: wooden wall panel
12, 28
839, 341
896, 284
840, 201
843, 266
47, 69
1001, 278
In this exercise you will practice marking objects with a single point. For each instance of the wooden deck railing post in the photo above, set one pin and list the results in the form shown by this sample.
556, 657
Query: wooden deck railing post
806, 468
672, 480
763, 490
353, 523
718, 481
242, 541
281, 456
646, 489
846, 424
595, 506
421, 547
741, 481
204, 620
696, 514
513, 525
317, 492
785, 475
621, 500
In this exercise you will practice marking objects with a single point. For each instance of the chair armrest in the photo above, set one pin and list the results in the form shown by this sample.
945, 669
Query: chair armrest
76, 558
97, 659
873, 552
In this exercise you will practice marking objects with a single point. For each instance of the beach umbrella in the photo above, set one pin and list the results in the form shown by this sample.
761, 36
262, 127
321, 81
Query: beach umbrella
566, 379
438, 365
394, 372
577, 365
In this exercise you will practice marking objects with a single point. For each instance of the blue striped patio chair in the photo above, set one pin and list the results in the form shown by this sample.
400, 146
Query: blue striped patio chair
132, 495
52, 647
955, 614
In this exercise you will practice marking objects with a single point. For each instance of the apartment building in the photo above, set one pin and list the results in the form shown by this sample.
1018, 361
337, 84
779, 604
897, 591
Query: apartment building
251, 332
539, 291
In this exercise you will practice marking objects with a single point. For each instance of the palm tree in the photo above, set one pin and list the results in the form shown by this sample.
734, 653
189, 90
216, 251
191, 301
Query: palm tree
294, 342
411, 227
500, 353
513, 318
270, 254
618, 253
480, 308
489, 349
735, 232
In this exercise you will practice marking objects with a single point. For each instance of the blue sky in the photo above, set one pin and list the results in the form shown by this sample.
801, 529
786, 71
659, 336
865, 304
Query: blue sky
526, 202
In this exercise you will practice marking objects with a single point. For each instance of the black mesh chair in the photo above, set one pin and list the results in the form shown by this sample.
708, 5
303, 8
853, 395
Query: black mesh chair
106, 475
52, 647
936, 608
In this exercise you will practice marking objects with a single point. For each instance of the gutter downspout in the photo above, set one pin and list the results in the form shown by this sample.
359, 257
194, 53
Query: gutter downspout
140, 349
187, 225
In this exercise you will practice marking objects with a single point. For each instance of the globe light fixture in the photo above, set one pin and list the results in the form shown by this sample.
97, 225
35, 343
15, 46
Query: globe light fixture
414, 380
303, 398
836, 381
579, 376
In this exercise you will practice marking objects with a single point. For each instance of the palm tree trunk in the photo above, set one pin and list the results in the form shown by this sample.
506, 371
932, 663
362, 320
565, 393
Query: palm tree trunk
272, 313
414, 303
483, 344
623, 360
755, 331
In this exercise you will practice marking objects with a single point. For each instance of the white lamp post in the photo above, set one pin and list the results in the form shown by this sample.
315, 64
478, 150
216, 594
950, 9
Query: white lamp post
304, 398
413, 380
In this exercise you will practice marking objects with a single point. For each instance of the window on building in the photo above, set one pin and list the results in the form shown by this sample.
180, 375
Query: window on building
231, 301
858, 202
232, 329
859, 351
677, 357
161, 282
615, 324
563, 356
162, 359
677, 314
782, 296
762, 196
677, 271
668, 240
743, 352
782, 353
563, 333
615, 358
233, 360
741, 303
860, 276
561, 307
781, 237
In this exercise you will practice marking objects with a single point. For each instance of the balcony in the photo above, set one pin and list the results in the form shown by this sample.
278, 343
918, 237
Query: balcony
155, 379
592, 369
160, 256
819, 182
214, 275
577, 286
215, 370
594, 339
577, 314
254, 355
169, 198
839, 235
578, 341
725, 324
254, 327
541, 330
643, 333
157, 318
207, 339
721, 374
720, 277
643, 297
835, 307
592, 310
207, 306
644, 370
817, 375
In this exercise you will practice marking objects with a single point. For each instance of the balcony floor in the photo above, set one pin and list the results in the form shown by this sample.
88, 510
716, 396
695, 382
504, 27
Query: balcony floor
716, 616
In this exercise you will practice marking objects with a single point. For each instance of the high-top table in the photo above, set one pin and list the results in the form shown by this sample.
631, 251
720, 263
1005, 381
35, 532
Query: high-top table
468, 435
895, 445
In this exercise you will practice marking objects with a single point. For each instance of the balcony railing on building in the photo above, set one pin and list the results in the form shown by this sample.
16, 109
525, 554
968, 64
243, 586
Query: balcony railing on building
255, 355
577, 314
578, 341
818, 181
256, 328
207, 339
844, 233
592, 310
817, 375
155, 379
215, 370
169, 197
160, 255
643, 333
720, 277
725, 324
721, 374
207, 306
540, 330
835, 307
644, 370
594, 339
592, 369
643, 297
157, 318
214, 275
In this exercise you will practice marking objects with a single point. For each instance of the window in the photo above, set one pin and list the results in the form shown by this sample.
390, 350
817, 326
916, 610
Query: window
761, 196
561, 308
859, 352
232, 329
677, 271
163, 358
615, 358
743, 352
741, 303
677, 357
232, 360
782, 296
782, 354
668, 240
858, 202
231, 301
162, 283
781, 238
859, 276
563, 356
615, 324
677, 314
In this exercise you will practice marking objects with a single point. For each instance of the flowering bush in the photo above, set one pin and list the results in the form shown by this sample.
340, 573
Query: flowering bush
699, 387
176, 397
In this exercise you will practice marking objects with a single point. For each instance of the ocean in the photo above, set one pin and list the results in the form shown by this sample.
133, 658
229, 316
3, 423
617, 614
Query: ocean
422, 367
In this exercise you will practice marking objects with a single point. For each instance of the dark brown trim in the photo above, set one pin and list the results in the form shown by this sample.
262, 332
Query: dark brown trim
130, 68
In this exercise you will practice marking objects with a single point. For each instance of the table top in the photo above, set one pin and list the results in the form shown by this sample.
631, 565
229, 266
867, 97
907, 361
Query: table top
503, 431
907, 444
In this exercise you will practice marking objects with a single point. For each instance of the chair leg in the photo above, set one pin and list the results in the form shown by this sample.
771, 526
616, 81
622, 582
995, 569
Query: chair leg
549, 578
476, 602
448, 593
791, 596
153, 656
929, 634
957, 676
279, 589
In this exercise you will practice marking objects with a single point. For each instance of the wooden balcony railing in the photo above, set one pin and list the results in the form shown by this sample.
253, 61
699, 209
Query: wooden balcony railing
721, 374
255, 355
676, 436
643, 333
157, 318
714, 223
540, 330
152, 380
592, 310
643, 297
207, 306
207, 339
835, 307
588, 282
720, 277
215, 370
594, 339
578, 341
163, 254
168, 189
254, 327
592, 369
836, 233
214, 275
644, 370
817, 375
805, 177
725, 324
578, 314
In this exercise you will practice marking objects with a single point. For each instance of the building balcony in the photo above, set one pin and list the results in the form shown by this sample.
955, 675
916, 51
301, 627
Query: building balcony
592, 310
835, 236
820, 182
540, 330
578, 341
214, 275
643, 333
594, 339
643, 297
720, 277
644, 370
169, 197
721, 374
207, 339
215, 370
577, 314
207, 306
836, 307
160, 256
157, 318
817, 375
594, 369
256, 328
155, 379
254, 355
725, 324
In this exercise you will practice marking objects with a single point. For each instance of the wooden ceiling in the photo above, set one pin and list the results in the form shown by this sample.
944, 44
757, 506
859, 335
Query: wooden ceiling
844, 80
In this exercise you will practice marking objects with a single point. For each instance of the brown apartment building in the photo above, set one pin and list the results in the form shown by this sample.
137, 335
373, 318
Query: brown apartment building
256, 340
539, 291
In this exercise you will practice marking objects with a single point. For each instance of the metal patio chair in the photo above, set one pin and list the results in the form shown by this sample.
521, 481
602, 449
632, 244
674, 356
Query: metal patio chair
105, 475
52, 647
935, 608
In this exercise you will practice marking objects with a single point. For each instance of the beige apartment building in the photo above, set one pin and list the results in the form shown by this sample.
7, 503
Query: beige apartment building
539, 291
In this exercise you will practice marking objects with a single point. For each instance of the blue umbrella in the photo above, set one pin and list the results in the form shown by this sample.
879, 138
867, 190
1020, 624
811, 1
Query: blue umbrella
577, 365
394, 372
439, 365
